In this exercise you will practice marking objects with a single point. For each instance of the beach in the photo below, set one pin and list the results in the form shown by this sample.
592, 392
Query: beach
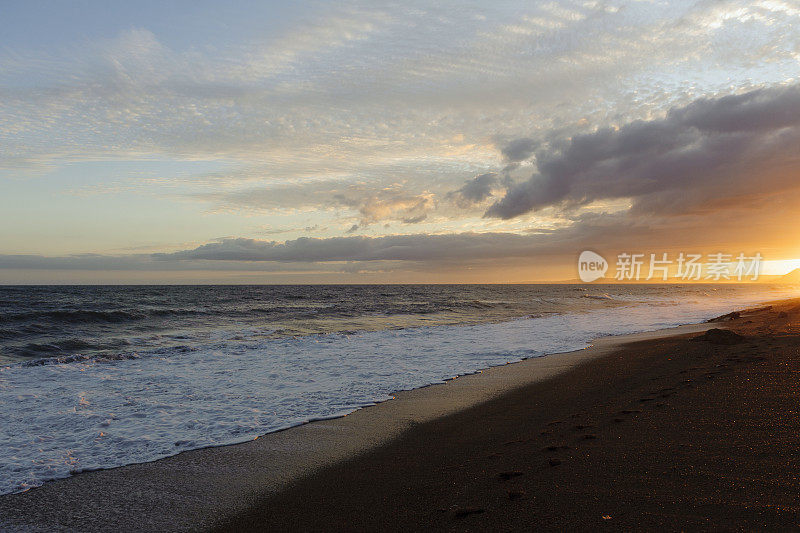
376, 266
95, 377
670, 433
651, 430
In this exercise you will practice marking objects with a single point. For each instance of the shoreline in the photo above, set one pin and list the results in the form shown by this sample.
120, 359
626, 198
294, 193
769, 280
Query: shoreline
686, 432
197, 489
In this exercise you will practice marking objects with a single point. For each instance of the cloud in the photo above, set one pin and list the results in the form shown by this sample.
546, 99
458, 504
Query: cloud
412, 247
475, 191
302, 254
736, 147
389, 204
769, 226
398, 76
237, 253
519, 150
279, 230
370, 201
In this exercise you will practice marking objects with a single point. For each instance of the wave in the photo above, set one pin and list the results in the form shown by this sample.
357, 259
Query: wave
107, 357
74, 344
79, 358
71, 317
83, 316
599, 296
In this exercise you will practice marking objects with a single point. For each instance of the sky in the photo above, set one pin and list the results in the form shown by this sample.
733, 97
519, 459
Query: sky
372, 142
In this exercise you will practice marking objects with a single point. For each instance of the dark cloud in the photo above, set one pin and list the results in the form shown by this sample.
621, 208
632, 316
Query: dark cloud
248, 254
414, 247
519, 150
765, 109
238, 253
736, 147
475, 191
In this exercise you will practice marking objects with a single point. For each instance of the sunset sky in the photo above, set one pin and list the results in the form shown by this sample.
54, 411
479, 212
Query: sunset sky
373, 142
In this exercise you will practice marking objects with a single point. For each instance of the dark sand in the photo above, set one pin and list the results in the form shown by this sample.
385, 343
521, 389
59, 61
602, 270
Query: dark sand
670, 433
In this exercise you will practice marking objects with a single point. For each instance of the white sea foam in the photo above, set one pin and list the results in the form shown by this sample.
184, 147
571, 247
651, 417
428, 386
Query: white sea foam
66, 417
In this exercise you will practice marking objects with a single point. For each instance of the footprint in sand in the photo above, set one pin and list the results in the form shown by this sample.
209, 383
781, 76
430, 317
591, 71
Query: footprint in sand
505, 476
466, 511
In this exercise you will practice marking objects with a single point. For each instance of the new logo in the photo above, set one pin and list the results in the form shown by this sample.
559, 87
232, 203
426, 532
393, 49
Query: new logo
591, 266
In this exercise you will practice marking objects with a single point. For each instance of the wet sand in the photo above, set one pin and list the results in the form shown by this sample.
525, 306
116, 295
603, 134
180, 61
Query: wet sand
646, 430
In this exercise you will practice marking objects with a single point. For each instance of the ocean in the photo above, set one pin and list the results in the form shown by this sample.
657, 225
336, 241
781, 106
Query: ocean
102, 376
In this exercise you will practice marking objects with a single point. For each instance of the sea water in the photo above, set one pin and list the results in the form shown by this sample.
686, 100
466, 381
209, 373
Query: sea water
98, 377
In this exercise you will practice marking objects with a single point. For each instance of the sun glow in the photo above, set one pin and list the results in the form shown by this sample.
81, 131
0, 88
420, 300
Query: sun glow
780, 267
